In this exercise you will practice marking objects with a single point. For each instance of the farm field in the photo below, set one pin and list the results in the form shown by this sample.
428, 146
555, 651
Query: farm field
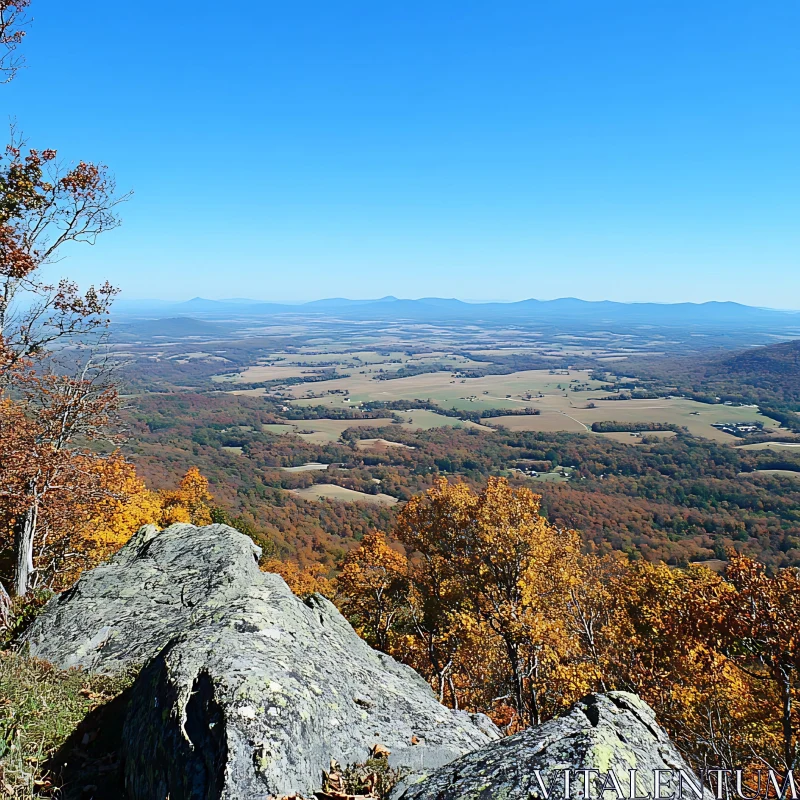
380, 444
328, 491
789, 473
466, 394
548, 421
636, 438
369, 365
771, 446
279, 428
559, 413
423, 419
563, 400
321, 431
265, 373
313, 467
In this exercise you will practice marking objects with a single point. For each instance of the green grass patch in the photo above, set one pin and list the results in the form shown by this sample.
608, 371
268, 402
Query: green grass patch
40, 708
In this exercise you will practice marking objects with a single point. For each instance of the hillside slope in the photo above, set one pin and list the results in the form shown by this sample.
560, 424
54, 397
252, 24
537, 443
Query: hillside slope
775, 368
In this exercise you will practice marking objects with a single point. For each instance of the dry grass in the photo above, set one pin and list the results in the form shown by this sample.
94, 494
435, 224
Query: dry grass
380, 444
328, 491
40, 707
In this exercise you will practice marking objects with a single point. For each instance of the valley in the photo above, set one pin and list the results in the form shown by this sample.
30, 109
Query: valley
317, 429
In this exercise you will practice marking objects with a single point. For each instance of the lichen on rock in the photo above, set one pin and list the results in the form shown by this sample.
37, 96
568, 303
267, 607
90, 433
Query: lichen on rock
613, 734
245, 689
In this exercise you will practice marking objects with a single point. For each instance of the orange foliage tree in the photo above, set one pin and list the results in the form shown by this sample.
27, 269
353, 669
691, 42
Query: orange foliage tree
46, 459
479, 605
753, 620
303, 581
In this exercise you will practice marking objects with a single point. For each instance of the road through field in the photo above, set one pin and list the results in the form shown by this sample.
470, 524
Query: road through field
575, 420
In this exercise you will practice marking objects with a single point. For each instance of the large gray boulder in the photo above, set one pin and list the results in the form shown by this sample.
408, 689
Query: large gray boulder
246, 691
612, 733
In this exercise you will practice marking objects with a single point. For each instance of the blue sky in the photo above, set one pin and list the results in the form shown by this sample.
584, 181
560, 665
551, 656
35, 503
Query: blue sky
485, 150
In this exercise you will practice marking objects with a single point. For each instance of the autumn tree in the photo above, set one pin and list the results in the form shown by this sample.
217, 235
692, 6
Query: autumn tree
479, 605
190, 502
49, 421
46, 431
303, 581
648, 644
502, 613
372, 586
45, 205
753, 619
84, 528
12, 32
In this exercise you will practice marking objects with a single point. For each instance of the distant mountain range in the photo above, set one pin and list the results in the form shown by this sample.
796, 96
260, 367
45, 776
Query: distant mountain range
439, 309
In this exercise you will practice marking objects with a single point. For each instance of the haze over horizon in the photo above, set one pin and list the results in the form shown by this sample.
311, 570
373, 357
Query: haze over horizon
471, 301
625, 151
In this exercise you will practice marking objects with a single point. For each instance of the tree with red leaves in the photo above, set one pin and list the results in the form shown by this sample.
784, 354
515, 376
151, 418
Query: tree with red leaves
47, 421
12, 24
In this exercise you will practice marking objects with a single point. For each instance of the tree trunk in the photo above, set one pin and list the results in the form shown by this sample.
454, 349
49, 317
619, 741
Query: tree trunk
788, 746
5, 609
24, 532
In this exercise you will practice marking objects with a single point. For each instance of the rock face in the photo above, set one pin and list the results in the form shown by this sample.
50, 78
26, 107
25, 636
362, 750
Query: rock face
611, 733
245, 690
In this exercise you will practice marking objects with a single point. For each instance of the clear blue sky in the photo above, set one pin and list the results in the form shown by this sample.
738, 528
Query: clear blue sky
638, 150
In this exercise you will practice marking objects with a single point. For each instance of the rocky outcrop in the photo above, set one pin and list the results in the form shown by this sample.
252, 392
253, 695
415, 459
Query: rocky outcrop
611, 733
245, 690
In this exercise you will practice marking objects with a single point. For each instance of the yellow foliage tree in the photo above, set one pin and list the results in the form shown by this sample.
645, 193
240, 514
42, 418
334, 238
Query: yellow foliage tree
372, 588
303, 581
189, 502
752, 621
481, 608
95, 530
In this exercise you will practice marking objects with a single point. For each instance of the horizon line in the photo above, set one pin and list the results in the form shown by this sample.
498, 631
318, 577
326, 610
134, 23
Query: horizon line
392, 298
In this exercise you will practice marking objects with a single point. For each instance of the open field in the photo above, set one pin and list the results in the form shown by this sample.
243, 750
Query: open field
421, 418
473, 394
368, 364
321, 431
636, 438
313, 467
549, 421
567, 401
772, 446
559, 413
380, 444
789, 473
266, 373
566, 397
562, 398
327, 491
279, 428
